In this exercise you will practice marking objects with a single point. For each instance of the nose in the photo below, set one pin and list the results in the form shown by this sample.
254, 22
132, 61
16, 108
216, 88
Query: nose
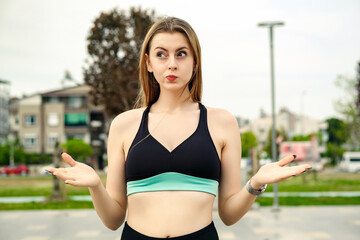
172, 63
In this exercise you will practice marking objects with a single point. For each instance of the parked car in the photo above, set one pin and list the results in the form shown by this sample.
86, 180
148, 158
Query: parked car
350, 162
21, 169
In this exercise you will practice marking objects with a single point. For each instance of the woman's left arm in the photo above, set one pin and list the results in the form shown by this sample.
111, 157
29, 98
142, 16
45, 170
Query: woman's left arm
234, 201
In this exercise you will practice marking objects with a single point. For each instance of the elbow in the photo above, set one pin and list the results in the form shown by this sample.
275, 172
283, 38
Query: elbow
228, 221
113, 227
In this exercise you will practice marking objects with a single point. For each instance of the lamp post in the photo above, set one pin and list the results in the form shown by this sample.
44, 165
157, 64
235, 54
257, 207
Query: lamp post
271, 25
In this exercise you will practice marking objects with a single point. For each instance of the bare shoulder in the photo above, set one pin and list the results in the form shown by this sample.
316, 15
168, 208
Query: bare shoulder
222, 126
124, 128
220, 117
126, 119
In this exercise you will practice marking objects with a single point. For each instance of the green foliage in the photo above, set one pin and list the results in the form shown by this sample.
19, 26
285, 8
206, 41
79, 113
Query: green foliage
35, 158
47, 205
78, 149
248, 141
20, 156
310, 201
19, 153
348, 108
338, 134
114, 44
337, 131
334, 152
301, 138
304, 138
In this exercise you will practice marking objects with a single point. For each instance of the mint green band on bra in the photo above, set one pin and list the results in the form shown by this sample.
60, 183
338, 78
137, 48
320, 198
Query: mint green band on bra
173, 181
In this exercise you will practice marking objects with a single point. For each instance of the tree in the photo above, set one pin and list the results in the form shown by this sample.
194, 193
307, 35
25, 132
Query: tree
347, 107
114, 44
337, 135
78, 149
248, 141
19, 153
337, 131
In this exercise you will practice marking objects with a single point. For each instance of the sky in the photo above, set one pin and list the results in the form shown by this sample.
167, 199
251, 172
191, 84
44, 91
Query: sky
320, 40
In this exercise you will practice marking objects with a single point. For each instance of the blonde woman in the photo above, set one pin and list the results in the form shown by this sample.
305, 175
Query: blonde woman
170, 157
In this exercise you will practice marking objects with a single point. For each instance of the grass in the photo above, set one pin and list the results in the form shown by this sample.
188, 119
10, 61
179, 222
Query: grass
15, 186
320, 182
310, 182
310, 201
46, 205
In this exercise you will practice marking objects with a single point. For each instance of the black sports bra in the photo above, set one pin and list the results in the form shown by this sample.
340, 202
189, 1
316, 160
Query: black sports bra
194, 165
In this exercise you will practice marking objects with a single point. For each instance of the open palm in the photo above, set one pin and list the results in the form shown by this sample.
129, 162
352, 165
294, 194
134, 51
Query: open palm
278, 171
79, 174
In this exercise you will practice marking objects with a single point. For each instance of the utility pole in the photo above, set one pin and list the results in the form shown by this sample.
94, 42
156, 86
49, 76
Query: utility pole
271, 25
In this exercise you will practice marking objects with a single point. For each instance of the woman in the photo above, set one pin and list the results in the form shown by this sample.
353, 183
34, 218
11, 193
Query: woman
169, 158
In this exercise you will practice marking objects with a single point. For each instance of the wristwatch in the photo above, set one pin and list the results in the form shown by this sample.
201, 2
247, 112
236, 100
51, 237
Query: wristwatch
253, 191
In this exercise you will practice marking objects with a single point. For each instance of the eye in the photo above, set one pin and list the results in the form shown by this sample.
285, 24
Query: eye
182, 54
160, 54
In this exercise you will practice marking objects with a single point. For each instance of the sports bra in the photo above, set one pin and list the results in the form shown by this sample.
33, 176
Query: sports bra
194, 165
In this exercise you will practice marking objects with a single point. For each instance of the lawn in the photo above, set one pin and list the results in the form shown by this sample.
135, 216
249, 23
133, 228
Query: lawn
310, 182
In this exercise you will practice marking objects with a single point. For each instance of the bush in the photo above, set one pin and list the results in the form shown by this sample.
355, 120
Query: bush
34, 158
78, 149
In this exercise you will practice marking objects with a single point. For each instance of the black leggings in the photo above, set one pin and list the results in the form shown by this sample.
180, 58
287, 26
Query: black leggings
207, 233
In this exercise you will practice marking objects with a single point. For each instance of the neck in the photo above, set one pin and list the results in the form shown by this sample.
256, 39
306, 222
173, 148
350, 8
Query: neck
172, 101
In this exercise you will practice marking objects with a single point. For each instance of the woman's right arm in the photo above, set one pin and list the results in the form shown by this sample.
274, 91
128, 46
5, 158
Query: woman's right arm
111, 203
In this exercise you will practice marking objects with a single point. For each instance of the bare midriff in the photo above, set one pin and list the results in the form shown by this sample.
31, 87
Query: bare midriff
165, 214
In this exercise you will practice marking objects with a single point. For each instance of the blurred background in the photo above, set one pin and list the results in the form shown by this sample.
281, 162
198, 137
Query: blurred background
67, 68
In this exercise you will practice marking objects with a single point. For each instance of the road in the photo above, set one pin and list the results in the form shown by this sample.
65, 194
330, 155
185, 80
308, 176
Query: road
260, 223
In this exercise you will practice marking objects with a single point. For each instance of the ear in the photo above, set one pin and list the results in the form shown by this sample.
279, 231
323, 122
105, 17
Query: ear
148, 65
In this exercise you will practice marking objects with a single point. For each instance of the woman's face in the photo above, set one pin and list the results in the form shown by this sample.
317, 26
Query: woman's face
171, 60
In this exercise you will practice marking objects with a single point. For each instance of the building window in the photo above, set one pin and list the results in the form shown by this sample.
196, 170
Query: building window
75, 102
76, 119
30, 120
75, 136
30, 141
53, 138
54, 100
53, 119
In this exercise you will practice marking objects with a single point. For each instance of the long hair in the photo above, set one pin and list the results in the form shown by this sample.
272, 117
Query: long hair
149, 89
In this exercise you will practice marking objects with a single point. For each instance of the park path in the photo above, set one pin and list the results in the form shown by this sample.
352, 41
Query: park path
260, 223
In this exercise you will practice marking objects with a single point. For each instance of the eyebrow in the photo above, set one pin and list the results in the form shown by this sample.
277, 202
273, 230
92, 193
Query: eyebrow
181, 48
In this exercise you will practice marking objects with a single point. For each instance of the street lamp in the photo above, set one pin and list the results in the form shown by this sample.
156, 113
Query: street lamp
271, 25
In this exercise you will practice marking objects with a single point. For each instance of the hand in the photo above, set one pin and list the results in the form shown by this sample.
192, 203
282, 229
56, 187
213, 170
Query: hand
79, 174
277, 172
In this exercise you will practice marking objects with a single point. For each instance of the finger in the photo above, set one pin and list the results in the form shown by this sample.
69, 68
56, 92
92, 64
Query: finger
72, 183
286, 160
63, 174
297, 170
50, 170
68, 159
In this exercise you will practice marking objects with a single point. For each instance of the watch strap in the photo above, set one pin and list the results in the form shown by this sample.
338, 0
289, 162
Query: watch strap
253, 191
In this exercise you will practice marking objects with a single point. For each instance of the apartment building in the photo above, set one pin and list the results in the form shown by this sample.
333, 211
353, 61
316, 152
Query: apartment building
287, 121
59, 115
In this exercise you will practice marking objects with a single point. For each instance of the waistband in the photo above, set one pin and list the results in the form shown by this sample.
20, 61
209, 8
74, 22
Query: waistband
137, 235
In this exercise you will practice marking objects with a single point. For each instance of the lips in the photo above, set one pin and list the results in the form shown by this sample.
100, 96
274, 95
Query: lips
171, 78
